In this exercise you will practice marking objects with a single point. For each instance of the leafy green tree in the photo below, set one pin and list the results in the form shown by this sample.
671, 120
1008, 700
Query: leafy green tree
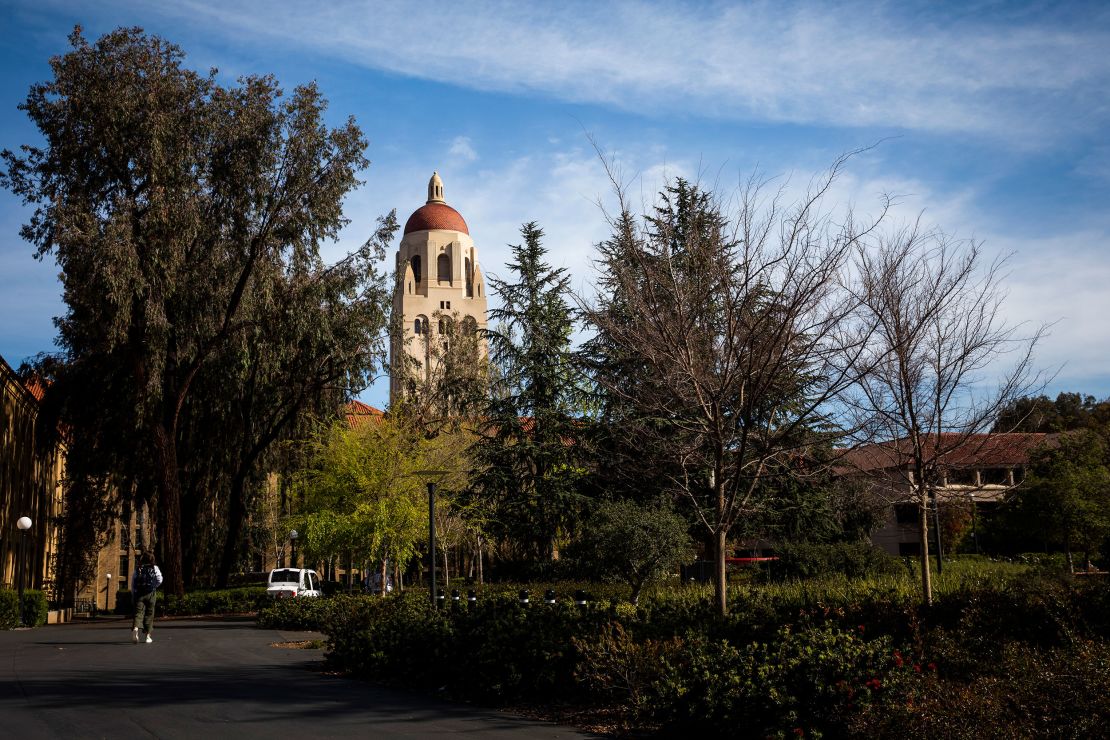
1066, 494
636, 543
526, 469
362, 495
168, 201
1070, 411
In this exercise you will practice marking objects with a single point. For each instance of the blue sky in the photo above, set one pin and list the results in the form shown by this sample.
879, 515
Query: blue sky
991, 118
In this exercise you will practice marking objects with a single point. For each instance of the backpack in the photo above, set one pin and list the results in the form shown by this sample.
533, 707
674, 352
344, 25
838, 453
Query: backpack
144, 579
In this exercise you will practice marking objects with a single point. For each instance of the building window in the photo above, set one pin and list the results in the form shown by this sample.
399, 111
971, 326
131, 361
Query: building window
417, 328
909, 549
444, 268
448, 305
906, 513
416, 267
995, 477
468, 276
962, 477
123, 569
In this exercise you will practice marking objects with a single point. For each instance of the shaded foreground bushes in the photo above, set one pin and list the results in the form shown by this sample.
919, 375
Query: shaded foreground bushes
993, 657
34, 606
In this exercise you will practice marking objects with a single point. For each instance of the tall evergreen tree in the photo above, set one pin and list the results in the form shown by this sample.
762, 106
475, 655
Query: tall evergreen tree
526, 470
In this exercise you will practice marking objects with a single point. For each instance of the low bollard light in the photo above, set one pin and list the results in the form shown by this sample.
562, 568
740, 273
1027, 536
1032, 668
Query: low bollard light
579, 598
549, 596
523, 596
455, 595
440, 600
472, 596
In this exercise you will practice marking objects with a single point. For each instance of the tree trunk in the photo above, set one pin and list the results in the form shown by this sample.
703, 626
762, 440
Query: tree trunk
446, 570
169, 506
236, 515
923, 531
720, 576
481, 581
383, 586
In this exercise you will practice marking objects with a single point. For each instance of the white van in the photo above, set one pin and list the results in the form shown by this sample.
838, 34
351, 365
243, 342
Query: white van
288, 583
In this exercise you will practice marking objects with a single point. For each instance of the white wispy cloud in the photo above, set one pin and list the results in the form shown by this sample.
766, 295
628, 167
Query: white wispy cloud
855, 64
462, 149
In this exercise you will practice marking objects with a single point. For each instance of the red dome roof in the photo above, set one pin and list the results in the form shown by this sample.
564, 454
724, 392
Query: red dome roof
436, 216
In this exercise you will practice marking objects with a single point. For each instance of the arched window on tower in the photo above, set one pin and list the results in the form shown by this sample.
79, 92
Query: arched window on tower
416, 267
469, 326
469, 280
444, 268
417, 327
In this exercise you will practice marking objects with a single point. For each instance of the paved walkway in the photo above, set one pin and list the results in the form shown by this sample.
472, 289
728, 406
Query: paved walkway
209, 679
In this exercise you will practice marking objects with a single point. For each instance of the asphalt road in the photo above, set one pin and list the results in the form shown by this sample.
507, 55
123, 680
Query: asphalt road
209, 679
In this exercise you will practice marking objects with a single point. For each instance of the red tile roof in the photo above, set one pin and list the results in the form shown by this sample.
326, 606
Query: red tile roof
359, 413
955, 450
35, 387
436, 216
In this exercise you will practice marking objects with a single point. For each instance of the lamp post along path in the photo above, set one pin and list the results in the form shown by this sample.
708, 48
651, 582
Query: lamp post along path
432, 476
23, 524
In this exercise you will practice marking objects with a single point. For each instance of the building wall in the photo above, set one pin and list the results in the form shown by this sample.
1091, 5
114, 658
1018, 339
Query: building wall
30, 485
899, 537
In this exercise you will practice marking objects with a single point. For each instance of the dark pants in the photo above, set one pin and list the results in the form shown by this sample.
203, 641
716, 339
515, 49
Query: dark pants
144, 611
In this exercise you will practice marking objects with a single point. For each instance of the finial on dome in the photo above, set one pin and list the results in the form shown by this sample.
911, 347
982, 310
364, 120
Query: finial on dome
435, 189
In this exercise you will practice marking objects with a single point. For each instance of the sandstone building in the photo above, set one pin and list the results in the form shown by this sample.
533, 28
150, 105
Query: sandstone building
439, 288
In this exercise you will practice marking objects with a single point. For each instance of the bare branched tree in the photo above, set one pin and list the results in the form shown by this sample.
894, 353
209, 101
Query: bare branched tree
942, 363
727, 337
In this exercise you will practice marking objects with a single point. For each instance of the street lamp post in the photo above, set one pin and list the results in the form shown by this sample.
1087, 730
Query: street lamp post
23, 524
293, 547
432, 539
107, 590
433, 476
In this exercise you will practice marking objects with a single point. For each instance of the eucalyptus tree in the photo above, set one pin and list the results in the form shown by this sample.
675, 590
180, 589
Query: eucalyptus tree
731, 335
167, 200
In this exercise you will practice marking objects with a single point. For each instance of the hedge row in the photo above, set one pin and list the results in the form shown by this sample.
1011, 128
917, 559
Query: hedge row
874, 664
243, 600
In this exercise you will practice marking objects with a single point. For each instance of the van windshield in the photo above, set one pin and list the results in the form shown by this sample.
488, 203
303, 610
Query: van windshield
285, 575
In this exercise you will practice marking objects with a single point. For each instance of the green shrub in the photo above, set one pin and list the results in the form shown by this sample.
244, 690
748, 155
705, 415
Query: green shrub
1025, 692
851, 559
297, 614
9, 609
811, 679
223, 601
34, 607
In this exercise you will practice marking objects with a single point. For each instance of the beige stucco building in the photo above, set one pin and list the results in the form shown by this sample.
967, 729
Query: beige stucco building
31, 473
439, 287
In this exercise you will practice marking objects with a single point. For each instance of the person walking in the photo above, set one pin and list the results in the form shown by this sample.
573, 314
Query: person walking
144, 592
